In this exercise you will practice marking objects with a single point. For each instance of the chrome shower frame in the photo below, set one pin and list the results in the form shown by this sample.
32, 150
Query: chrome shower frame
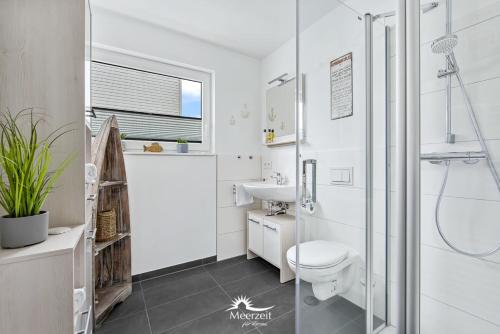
450, 136
424, 8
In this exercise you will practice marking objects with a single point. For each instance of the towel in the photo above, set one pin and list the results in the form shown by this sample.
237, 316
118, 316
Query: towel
241, 196
79, 296
90, 173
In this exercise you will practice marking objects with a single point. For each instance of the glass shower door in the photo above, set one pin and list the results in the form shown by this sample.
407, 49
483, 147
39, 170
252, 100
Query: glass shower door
341, 252
460, 152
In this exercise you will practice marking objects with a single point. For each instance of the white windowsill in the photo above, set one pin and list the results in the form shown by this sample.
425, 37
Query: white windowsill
172, 153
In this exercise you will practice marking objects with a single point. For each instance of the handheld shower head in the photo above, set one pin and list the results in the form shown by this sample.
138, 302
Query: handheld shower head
445, 44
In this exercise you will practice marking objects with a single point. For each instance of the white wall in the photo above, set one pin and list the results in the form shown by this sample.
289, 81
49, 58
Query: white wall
460, 294
231, 220
237, 82
236, 75
336, 143
173, 209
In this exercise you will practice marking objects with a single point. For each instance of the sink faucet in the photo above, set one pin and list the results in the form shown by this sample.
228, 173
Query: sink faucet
280, 179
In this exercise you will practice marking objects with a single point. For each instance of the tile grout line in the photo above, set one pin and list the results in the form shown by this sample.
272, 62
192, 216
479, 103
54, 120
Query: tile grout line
146, 308
218, 285
459, 309
247, 276
192, 320
257, 295
239, 279
127, 315
277, 318
470, 83
264, 292
205, 315
279, 286
162, 285
201, 291
182, 270
450, 251
172, 273
352, 321
189, 321
180, 298
216, 282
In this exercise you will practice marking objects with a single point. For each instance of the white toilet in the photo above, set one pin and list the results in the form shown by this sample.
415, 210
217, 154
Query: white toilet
331, 267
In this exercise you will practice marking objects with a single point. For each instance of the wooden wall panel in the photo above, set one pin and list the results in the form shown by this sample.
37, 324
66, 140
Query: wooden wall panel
42, 45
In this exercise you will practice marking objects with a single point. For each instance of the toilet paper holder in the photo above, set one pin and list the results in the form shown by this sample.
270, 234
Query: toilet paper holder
308, 201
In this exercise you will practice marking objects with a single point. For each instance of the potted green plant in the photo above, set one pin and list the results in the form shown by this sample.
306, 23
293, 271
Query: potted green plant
123, 136
182, 146
26, 178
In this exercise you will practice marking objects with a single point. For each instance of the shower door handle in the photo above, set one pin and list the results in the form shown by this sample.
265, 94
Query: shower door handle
308, 201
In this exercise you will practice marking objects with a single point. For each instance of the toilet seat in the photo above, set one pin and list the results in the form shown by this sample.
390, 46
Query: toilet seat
318, 254
331, 267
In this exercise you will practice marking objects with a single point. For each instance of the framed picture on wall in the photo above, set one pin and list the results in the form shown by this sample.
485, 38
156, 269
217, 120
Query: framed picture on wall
341, 87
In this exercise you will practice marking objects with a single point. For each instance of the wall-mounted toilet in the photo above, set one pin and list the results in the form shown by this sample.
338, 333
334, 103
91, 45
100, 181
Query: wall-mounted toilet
331, 267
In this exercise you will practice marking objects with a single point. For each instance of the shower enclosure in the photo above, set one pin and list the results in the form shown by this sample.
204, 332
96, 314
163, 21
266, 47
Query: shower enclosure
459, 188
343, 221
397, 174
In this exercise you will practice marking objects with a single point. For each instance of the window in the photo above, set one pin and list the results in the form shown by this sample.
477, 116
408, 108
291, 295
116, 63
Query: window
151, 105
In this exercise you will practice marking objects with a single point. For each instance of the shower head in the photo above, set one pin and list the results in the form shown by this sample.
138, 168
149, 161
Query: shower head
444, 44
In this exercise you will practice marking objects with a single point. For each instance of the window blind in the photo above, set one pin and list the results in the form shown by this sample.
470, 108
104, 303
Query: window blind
147, 105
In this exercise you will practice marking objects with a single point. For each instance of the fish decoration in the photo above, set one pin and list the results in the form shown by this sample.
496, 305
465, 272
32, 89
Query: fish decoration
154, 147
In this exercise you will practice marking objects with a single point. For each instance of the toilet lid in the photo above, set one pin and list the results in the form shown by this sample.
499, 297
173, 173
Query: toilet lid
319, 253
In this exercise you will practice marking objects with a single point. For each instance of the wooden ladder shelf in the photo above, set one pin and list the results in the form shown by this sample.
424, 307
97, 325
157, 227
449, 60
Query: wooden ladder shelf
112, 258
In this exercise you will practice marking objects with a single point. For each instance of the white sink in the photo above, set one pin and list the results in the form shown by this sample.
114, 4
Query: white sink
271, 191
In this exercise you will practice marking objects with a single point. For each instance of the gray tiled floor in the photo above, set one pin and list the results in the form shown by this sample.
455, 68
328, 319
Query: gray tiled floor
195, 301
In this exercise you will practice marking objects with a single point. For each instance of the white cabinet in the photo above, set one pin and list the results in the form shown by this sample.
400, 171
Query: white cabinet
255, 235
270, 237
38, 285
271, 241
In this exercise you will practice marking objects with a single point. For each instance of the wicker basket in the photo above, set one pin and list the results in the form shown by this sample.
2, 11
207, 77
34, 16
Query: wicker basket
106, 225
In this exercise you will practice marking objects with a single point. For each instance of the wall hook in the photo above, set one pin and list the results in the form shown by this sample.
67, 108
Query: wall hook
245, 112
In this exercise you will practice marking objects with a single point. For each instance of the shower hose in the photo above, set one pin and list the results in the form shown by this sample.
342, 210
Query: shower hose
438, 224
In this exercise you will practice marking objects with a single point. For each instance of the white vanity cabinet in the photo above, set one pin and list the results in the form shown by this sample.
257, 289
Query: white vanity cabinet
255, 240
269, 237
38, 284
271, 243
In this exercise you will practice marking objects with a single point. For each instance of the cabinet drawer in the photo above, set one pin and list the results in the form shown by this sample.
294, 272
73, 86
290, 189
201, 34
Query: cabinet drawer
272, 243
255, 236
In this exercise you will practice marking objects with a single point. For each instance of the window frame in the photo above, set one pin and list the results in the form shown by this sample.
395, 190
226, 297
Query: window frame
142, 62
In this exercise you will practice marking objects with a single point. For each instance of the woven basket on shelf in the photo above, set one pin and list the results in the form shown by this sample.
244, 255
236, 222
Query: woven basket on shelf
106, 225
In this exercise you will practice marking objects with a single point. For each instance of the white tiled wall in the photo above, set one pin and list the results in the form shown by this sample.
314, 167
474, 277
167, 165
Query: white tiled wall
460, 294
231, 220
340, 212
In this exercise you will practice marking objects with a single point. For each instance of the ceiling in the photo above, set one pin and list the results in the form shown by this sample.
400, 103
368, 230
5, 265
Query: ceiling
252, 27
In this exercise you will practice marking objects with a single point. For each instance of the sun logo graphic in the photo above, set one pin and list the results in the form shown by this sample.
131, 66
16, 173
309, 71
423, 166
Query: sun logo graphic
247, 302
251, 315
